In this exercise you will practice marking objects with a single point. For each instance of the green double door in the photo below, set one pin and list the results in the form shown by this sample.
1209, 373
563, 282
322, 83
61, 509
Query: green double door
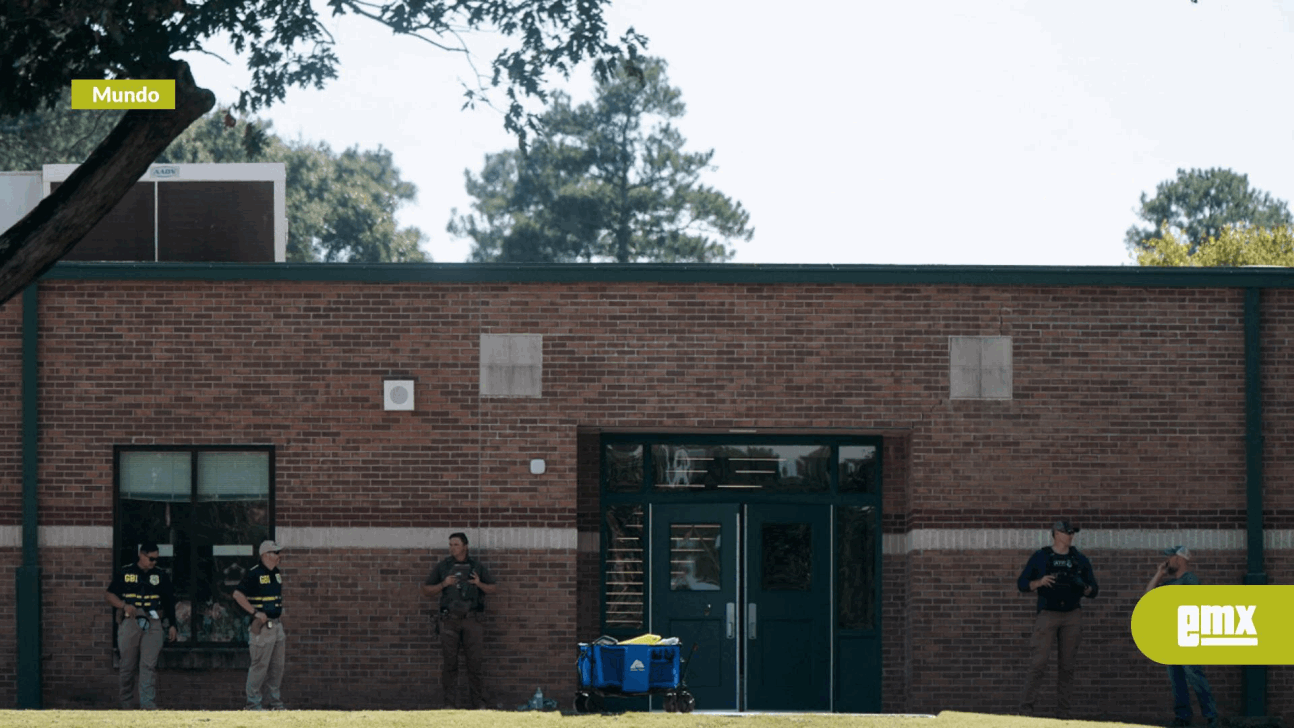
750, 586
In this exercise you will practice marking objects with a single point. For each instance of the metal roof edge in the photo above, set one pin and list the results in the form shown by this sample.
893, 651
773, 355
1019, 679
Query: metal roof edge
734, 273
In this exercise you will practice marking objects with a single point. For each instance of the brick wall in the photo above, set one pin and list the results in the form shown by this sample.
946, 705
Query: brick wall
10, 482
1128, 413
10, 560
359, 632
11, 412
1278, 415
1117, 390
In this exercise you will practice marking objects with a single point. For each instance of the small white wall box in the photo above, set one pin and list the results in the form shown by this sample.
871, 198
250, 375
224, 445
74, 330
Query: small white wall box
537, 467
397, 394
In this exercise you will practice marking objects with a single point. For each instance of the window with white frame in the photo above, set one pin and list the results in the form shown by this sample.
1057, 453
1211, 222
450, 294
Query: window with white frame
207, 508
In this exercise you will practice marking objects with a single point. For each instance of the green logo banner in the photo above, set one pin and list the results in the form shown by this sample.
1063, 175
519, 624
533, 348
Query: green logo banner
132, 94
1216, 625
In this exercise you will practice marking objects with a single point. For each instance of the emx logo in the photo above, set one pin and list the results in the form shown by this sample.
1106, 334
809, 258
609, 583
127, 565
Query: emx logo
1215, 625
1218, 621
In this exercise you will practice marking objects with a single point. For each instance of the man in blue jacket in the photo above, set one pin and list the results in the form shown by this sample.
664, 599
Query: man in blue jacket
1062, 577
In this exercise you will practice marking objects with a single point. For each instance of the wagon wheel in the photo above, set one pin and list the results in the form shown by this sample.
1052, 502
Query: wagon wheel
582, 702
671, 702
686, 703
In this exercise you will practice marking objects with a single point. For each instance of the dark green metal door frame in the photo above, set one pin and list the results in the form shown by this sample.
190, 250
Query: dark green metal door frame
644, 495
28, 578
1254, 678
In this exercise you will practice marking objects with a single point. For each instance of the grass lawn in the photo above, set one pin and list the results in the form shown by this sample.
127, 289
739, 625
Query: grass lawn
503, 719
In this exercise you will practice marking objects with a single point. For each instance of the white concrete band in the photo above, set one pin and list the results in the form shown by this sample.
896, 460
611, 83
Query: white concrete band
1017, 539
568, 539
432, 539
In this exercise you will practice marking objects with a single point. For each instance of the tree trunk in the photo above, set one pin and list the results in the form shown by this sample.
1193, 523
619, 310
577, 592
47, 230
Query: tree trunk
36, 242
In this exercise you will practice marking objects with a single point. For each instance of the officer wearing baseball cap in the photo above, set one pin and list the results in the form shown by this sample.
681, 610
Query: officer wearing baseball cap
1062, 577
144, 594
260, 594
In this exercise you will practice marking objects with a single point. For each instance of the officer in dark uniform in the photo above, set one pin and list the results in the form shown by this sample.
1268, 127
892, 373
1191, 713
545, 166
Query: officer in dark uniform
461, 581
146, 598
1062, 577
260, 594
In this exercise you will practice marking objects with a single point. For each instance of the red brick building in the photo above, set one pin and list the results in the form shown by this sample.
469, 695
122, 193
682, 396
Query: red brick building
829, 477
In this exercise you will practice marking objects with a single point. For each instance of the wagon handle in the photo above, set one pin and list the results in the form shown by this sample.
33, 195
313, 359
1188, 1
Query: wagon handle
682, 680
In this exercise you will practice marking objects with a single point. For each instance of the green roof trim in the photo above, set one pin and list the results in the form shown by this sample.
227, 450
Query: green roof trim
735, 273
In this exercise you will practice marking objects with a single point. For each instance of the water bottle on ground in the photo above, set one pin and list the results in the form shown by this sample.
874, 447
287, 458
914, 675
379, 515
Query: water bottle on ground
537, 702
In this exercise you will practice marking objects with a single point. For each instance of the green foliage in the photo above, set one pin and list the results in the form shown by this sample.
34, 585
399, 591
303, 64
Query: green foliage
607, 180
1200, 204
284, 43
340, 207
45, 44
52, 135
1236, 246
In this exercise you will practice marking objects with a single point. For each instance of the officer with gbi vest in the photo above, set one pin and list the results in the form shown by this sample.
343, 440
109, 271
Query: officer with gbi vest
461, 581
144, 594
260, 594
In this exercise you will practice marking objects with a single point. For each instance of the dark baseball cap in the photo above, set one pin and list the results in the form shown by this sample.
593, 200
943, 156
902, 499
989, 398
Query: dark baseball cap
1065, 527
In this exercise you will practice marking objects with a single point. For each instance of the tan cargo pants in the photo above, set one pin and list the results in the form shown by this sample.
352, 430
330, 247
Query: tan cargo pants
268, 660
139, 651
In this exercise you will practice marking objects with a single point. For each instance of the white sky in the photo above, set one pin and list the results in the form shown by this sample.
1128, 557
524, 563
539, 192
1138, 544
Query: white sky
995, 132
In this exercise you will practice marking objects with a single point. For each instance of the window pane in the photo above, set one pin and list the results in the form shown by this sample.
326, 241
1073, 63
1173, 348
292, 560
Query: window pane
624, 568
220, 619
624, 468
856, 577
207, 545
155, 476
149, 520
858, 469
787, 556
767, 468
694, 557
225, 534
224, 476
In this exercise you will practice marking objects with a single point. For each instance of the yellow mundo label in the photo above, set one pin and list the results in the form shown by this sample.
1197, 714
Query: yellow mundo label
130, 94
1216, 625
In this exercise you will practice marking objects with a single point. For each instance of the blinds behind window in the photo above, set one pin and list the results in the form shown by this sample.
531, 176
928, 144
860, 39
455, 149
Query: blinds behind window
229, 476
155, 476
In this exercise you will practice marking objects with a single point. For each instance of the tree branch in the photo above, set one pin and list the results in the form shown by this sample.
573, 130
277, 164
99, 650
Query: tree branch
36, 242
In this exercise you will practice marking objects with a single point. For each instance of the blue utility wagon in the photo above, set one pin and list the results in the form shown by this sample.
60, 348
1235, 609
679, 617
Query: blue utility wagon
631, 670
